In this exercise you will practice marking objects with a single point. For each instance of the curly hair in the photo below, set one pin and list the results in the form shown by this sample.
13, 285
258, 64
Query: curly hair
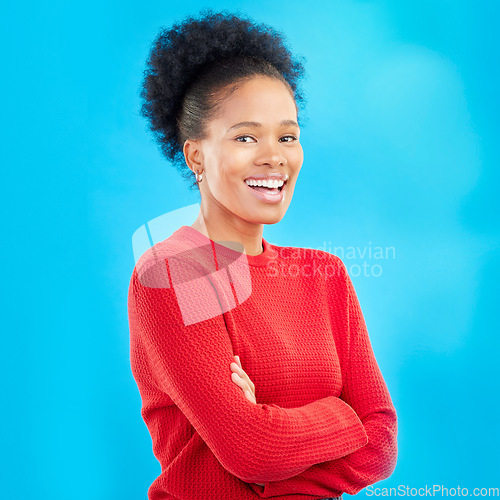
191, 67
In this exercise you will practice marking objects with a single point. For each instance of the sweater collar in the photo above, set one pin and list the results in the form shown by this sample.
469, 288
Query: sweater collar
269, 254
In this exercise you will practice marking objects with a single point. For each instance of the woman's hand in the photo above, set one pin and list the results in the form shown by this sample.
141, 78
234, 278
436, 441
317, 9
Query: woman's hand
241, 379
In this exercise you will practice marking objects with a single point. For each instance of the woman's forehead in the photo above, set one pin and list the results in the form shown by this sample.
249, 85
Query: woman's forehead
261, 100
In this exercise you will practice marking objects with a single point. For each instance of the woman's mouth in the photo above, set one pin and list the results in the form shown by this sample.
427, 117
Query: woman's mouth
269, 194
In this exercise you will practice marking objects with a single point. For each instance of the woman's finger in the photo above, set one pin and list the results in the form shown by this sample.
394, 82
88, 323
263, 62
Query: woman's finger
250, 383
241, 379
244, 386
241, 382
237, 369
250, 396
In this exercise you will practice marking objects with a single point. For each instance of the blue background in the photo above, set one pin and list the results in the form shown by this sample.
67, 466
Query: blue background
401, 150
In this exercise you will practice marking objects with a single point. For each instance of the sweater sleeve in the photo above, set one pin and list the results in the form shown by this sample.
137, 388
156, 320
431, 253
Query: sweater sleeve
254, 442
365, 391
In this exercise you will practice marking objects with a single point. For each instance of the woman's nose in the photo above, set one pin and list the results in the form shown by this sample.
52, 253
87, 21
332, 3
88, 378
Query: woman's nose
271, 154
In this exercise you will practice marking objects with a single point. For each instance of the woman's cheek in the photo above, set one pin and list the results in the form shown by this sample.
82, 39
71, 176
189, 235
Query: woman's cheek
296, 157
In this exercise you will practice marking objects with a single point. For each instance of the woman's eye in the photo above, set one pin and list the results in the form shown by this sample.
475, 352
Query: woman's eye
291, 137
243, 137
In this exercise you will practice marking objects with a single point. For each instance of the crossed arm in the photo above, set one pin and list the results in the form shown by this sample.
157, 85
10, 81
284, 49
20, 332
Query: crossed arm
335, 444
364, 389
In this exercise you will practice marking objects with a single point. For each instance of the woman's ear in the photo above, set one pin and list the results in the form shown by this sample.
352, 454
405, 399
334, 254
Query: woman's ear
193, 154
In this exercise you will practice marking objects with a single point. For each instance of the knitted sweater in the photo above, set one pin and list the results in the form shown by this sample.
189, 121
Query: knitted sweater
324, 422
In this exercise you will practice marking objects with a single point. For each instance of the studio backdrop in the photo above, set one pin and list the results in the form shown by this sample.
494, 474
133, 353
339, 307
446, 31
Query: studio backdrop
400, 179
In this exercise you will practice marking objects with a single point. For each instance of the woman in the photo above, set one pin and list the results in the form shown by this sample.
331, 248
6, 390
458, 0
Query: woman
253, 361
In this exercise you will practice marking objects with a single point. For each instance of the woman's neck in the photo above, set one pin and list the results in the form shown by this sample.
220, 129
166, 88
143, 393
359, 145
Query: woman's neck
231, 237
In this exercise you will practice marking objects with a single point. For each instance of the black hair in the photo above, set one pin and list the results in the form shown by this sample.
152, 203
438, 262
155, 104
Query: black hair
193, 61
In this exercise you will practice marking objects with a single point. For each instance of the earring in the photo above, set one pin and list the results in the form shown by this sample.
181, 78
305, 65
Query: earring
199, 177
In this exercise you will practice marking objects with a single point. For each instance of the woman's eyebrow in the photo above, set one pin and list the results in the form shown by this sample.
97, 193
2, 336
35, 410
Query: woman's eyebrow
257, 124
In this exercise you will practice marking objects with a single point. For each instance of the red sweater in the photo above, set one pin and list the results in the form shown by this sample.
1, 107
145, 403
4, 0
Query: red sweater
324, 422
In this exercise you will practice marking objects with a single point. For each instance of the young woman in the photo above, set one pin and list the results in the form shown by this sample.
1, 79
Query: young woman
253, 360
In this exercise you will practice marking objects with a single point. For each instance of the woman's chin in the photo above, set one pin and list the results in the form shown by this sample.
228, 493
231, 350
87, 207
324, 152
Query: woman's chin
264, 218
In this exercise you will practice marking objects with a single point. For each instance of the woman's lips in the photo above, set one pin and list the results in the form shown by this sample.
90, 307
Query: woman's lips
269, 196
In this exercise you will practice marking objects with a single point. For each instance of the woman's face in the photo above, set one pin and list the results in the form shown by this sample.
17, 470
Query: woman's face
254, 134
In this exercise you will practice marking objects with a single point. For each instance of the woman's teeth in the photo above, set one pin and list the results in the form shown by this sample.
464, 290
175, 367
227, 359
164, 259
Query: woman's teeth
272, 183
267, 190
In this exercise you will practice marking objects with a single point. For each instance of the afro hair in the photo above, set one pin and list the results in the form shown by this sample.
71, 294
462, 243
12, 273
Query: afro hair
182, 57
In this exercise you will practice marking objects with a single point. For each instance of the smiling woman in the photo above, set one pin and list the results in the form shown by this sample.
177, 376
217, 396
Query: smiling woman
253, 137
302, 410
